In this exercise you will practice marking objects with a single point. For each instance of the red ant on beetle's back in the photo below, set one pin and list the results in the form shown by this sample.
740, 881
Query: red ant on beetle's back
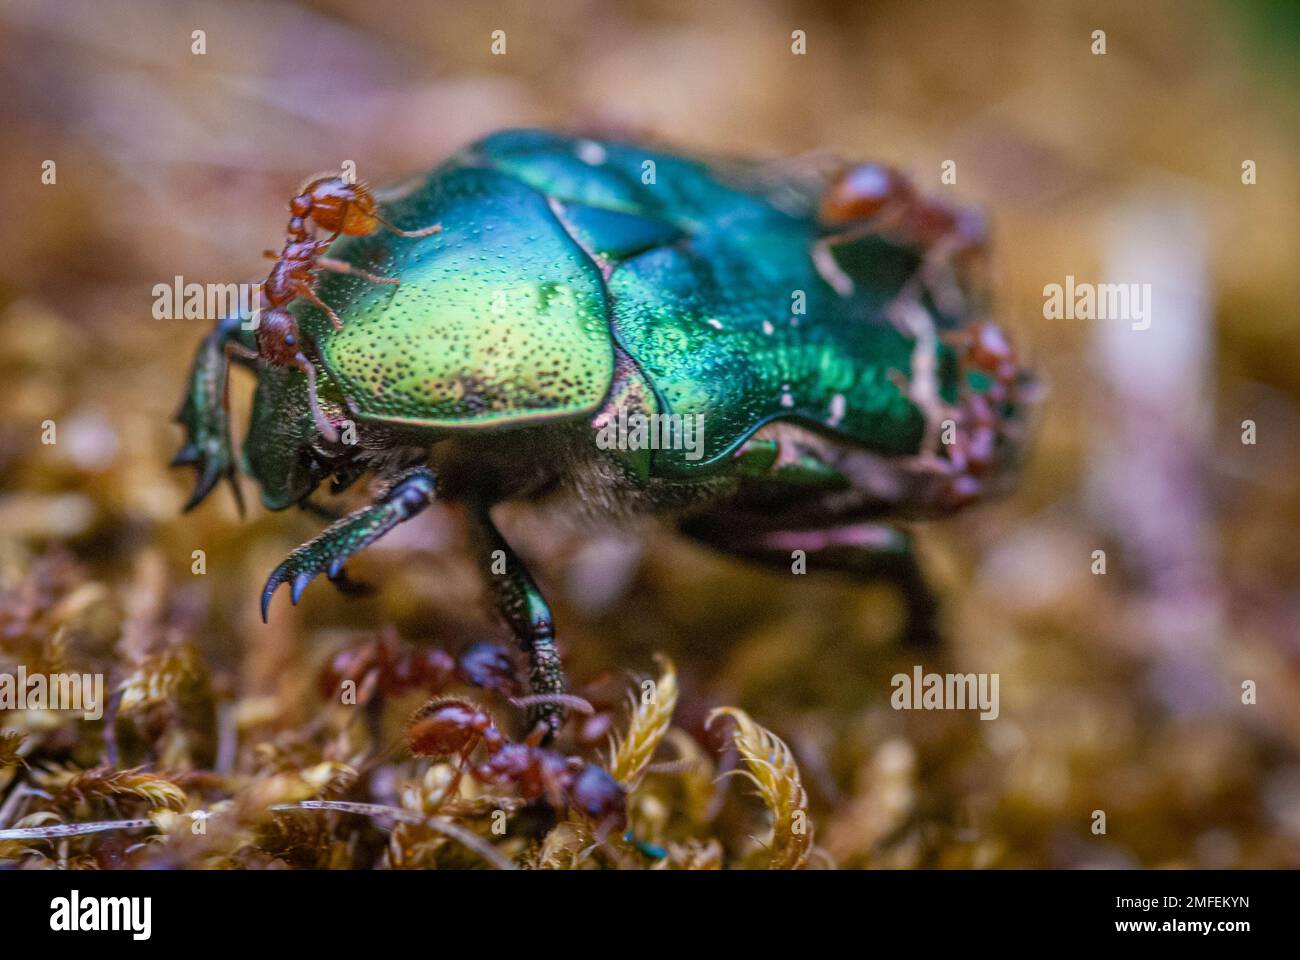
338, 207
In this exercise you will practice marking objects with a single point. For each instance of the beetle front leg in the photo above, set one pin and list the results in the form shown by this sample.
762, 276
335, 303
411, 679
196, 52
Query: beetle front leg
410, 493
205, 414
528, 615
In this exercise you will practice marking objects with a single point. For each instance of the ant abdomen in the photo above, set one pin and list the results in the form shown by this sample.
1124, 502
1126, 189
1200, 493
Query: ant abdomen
443, 728
338, 206
862, 191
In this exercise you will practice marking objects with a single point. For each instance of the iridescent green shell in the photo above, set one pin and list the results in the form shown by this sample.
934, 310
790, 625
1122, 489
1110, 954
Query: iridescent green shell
499, 319
554, 249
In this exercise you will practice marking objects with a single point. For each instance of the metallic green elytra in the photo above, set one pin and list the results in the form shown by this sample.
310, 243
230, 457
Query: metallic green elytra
499, 320
777, 357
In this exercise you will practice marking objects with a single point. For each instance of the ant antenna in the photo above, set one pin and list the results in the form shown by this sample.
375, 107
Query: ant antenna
436, 228
323, 424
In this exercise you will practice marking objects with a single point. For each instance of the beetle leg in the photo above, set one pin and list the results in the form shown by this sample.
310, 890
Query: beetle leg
864, 551
349, 587
318, 510
342, 582
410, 493
786, 463
205, 414
235, 353
527, 614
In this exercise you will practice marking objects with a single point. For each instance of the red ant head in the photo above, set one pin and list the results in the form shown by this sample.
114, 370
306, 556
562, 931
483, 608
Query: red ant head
339, 206
862, 191
279, 341
442, 728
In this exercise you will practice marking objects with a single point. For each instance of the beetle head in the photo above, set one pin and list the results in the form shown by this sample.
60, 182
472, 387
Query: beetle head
284, 451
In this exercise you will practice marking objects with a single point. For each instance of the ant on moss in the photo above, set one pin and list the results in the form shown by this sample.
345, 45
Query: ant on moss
455, 728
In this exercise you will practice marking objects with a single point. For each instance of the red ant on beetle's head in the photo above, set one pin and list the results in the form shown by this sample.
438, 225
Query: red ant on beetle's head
338, 207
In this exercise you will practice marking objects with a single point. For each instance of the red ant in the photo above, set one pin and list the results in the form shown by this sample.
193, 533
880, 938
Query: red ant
444, 728
985, 349
869, 198
872, 199
385, 665
865, 191
338, 207
877, 199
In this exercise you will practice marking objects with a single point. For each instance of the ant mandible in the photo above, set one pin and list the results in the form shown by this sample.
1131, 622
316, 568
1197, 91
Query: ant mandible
338, 207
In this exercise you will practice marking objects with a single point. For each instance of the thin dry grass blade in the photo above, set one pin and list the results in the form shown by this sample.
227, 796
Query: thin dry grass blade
56, 830
442, 825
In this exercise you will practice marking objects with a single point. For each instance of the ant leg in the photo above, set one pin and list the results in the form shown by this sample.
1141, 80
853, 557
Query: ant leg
305, 291
526, 612
323, 424
453, 785
436, 228
537, 735
340, 266
237, 351
553, 789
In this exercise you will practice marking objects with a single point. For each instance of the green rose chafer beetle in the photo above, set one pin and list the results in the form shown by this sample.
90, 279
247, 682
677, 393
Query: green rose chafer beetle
775, 357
